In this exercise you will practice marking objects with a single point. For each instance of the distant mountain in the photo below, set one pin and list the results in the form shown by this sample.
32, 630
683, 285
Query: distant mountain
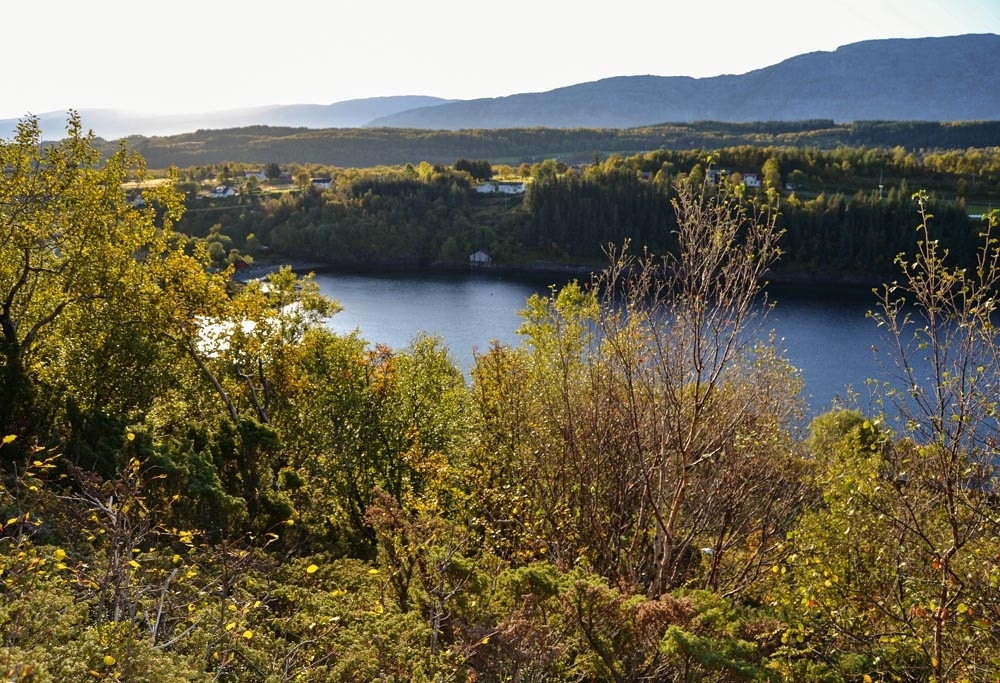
920, 79
916, 79
112, 124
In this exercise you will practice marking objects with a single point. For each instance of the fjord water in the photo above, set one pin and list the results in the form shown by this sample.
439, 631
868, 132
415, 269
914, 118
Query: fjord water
825, 334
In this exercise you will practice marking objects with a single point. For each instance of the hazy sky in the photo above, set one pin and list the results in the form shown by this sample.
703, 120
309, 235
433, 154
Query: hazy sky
199, 55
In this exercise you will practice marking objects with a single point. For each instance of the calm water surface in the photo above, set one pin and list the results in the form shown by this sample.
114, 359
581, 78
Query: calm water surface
828, 337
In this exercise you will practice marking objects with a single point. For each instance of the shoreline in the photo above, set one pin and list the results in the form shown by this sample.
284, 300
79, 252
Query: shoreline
803, 281
256, 272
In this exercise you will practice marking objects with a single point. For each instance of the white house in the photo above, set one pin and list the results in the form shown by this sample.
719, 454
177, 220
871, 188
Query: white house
501, 188
480, 259
715, 176
222, 191
321, 183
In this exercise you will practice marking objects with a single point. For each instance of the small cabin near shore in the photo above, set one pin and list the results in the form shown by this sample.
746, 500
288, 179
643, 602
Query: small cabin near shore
480, 259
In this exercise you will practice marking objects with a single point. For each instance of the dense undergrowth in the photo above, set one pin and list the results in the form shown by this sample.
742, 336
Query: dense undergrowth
202, 482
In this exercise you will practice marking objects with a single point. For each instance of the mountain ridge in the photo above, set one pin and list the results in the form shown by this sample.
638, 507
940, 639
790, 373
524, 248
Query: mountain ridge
933, 79
911, 79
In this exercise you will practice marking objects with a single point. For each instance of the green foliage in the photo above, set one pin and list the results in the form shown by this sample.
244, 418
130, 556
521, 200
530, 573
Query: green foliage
573, 626
371, 420
838, 221
68, 265
203, 482
713, 638
480, 169
647, 418
889, 571
190, 469
371, 147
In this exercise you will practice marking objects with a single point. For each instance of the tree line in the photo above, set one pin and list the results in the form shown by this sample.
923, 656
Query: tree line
201, 481
846, 212
369, 147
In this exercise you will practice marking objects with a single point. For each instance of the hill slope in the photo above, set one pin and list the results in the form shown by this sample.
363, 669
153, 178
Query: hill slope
930, 79
919, 79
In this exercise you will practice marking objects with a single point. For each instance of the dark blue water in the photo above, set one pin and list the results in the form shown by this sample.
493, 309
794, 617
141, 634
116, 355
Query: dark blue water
830, 338
467, 311
826, 335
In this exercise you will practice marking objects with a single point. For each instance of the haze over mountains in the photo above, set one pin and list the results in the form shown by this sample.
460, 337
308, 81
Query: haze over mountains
953, 78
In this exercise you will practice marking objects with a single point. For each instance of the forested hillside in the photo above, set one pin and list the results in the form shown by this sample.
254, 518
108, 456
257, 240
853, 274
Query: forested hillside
369, 147
839, 223
202, 482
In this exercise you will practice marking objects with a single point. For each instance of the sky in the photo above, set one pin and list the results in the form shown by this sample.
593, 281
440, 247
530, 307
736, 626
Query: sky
196, 56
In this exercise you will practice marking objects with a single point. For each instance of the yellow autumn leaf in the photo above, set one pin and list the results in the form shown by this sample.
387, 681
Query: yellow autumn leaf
130, 436
109, 660
59, 554
133, 564
248, 634
9, 438
231, 625
311, 569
